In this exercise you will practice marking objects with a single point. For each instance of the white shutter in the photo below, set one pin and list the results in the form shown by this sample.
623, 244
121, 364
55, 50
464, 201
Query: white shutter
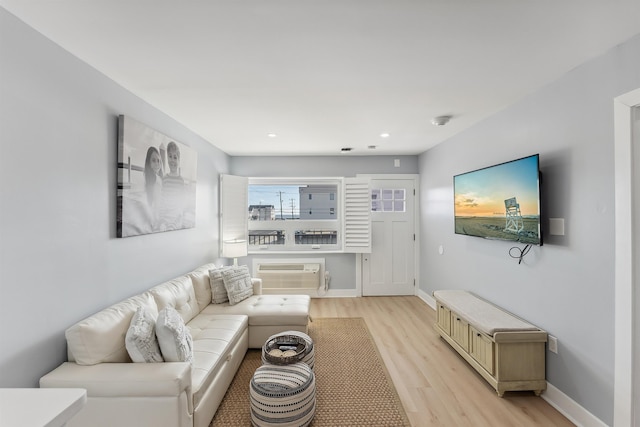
357, 215
234, 205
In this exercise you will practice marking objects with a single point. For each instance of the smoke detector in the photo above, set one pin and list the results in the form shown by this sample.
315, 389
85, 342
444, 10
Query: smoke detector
440, 120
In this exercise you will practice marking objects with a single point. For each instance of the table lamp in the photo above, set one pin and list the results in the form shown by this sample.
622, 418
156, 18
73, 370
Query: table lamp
234, 249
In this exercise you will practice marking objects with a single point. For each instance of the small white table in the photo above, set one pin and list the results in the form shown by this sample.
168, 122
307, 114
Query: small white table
39, 407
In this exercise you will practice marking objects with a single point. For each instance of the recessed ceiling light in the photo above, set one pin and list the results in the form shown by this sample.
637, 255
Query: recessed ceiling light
385, 135
271, 135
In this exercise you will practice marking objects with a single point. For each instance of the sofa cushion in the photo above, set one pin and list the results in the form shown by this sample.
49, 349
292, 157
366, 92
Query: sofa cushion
218, 291
174, 337
214, 336
237, 282
141, 341
100, 337
268, 310
200, 281
179, 294
485, 316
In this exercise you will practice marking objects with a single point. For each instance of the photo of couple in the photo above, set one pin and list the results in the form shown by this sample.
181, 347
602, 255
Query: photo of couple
156, 181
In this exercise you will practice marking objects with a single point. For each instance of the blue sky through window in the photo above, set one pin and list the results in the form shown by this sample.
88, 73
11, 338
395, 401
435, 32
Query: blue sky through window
272, 194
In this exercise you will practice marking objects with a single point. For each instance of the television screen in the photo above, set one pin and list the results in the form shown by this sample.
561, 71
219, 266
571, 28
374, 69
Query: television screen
500, 202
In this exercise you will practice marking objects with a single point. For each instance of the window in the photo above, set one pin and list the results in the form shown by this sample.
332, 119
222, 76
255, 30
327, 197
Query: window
388, 200
296, 214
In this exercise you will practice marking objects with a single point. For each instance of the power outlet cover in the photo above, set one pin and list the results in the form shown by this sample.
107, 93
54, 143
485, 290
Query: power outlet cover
553, 344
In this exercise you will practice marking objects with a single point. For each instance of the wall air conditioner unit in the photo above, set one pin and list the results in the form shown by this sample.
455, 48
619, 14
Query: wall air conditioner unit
293, 276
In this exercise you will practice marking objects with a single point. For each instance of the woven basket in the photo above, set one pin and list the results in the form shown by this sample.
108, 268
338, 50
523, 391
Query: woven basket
279, 342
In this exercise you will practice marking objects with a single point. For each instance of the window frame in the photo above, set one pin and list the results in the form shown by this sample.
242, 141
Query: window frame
291, 226
353, 207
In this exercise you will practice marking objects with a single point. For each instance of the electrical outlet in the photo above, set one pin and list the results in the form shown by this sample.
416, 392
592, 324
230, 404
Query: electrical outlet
553, 344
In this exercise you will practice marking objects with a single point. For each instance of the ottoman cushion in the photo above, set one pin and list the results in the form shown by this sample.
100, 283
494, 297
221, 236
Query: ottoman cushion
283, 395
268, 310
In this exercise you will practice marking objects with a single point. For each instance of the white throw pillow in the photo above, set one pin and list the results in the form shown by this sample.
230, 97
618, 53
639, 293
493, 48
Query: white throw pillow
237, 282
218, 291
141, 342
174, 337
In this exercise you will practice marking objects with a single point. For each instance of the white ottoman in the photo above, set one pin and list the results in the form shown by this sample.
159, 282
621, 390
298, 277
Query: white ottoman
283, 395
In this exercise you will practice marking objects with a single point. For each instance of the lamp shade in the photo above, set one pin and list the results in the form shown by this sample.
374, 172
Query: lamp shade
234, 248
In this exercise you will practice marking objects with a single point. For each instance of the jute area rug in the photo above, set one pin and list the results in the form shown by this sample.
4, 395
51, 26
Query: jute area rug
353, 386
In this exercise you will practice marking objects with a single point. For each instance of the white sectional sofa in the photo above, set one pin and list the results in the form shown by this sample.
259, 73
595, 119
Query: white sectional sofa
170, 394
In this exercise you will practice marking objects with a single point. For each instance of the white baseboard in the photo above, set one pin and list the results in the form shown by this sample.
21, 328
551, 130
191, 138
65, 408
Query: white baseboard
563, 403
570, 408
338, 293
333, 293
431, 302
314, 293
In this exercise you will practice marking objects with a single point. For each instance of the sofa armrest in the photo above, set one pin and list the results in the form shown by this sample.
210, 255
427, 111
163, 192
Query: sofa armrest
257, 285
123, 379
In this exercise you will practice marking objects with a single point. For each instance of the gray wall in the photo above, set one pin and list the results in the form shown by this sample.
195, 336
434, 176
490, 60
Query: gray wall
565, 286
59, 258
341, 266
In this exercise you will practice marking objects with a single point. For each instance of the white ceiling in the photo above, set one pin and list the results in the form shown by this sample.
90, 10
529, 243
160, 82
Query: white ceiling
328, 74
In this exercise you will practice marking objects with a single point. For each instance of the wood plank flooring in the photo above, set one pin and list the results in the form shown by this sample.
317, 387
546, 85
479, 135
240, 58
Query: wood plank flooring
436, 386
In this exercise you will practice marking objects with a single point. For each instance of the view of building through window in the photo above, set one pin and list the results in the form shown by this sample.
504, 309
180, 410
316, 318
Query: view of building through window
297, 214
300, 202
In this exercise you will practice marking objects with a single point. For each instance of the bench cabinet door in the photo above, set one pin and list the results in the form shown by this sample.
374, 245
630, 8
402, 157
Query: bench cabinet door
444, 318
481, 349
460, 331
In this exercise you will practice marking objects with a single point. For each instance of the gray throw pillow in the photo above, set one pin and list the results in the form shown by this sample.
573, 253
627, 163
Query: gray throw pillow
218, 291
237, 282
140, 340
174, 337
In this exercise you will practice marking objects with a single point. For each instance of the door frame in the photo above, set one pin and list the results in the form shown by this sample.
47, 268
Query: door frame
626, 331
416, 226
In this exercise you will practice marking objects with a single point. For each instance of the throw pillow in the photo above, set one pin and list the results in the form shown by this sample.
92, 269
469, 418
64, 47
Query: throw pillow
218, 291
140, 340
237, 282
174, 337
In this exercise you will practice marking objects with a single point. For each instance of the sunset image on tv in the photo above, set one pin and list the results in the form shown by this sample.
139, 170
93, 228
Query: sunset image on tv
500, 202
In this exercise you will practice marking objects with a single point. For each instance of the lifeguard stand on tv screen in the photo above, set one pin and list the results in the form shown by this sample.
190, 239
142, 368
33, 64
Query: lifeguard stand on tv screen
515, 223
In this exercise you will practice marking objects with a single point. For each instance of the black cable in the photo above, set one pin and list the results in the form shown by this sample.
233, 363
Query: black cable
522, 253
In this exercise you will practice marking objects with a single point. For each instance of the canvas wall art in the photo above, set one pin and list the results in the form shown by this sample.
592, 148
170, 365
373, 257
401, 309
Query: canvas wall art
156, 181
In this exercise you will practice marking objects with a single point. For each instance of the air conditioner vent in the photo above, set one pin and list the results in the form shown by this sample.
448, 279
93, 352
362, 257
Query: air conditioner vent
289, 267
289, 275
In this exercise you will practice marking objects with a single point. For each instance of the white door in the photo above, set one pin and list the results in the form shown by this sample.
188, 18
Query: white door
390, 267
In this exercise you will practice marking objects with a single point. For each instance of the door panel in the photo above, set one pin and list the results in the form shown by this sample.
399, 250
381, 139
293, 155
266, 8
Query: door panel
401, 254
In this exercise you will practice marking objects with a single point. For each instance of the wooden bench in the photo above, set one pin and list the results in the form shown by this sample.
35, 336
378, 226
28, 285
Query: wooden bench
507, 351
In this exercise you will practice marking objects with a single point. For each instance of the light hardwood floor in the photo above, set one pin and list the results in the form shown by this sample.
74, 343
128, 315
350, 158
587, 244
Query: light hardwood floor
436, 386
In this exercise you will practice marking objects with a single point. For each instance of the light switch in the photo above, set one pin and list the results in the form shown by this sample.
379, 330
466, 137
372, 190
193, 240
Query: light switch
556, 226
396, 163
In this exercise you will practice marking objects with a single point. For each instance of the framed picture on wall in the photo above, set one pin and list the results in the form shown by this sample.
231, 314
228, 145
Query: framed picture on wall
156, 181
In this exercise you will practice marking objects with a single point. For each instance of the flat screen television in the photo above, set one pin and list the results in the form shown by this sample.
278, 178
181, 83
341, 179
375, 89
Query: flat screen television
500, 202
